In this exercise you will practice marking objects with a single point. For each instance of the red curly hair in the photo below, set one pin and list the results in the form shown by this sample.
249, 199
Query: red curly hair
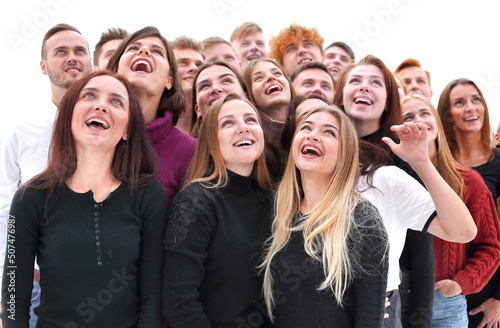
278, 43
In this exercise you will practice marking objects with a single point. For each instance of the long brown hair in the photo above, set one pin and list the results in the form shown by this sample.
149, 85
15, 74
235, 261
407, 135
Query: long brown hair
392, 113
173, 99
135, 161
444, 110
208, 163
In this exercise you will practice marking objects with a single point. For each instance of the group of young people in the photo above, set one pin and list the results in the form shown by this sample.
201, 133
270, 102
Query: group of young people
211, 184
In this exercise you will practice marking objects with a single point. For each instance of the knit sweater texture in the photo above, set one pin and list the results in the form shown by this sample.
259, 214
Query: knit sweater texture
175, 150
297, 277
214, 242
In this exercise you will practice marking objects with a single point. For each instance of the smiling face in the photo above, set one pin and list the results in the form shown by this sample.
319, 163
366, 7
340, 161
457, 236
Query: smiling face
145, 64
365, 97
415, 110
66, 58
316, 145
335, 59
213, 83
314, 81
241, 139
188, 62
100, 116
467, 109
269, 86
250, 47
298, 53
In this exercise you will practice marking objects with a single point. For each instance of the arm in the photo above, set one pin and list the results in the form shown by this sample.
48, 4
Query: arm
454, 222
151, 256
370, 287
23, 237
187, 238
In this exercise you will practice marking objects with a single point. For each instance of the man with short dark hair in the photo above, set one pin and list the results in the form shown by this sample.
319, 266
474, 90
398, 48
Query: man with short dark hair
313, 78
107, 45
216, 48
336, 56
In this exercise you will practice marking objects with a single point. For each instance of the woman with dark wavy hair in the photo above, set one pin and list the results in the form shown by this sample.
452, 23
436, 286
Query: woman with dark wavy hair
93, 218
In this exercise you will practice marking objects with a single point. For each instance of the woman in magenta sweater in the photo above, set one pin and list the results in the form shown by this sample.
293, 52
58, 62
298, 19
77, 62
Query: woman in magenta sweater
146, 59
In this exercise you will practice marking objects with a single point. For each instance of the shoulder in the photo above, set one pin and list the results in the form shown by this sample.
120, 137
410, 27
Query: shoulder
196, 195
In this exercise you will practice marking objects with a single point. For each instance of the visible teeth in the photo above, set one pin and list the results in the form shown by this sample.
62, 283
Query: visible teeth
273, 88
363, 100
253, 57
146, 68
97, 121
305, 61
72, 70
334, 69
243, 143
471, 118
309, 149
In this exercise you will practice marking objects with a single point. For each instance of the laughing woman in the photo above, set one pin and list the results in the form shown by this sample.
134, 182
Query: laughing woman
147, 60
93, 218
218, 223
326, 265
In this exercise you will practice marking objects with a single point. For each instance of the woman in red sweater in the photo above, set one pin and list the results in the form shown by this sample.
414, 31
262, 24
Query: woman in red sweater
461, 269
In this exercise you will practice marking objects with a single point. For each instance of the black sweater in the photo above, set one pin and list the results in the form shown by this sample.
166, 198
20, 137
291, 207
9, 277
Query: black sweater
213, 245
100, 263
297, 277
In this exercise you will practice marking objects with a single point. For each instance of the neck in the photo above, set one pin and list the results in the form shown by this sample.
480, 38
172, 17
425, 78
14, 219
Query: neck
470, 152
314, 188
184, 121
93, 172
57, 94
364, 128
277, 113
149, 105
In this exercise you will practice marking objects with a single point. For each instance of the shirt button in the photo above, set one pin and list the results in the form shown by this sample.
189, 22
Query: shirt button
95, 205
98, 244
99, 263
96, 214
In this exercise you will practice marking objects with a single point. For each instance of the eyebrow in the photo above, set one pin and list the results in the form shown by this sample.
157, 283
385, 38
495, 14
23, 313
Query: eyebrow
232, 116
153, 46
219, 77
324, 125
117, 95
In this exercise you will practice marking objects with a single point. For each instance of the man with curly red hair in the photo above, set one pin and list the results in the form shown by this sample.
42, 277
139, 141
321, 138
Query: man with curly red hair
295, 46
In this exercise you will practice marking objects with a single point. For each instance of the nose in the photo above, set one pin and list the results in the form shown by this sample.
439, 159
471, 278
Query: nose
192, 68
270, 77
313, 135
470, 104
216, 88
101, 106
302, 50
243, 127
144, 50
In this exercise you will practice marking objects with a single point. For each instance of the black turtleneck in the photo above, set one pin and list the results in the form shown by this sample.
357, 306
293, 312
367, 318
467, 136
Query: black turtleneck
214, 242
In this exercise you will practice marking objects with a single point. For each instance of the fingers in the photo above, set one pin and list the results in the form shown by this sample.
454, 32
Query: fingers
389, 142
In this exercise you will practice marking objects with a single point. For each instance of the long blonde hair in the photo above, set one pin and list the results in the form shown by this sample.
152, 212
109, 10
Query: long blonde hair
447, 166
208, 163
326, 228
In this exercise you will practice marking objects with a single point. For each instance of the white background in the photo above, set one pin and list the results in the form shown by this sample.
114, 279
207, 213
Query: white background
451, 39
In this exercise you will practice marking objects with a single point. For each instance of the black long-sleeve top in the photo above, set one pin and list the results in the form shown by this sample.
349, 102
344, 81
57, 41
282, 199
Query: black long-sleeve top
214, 242
100, 263
297, 277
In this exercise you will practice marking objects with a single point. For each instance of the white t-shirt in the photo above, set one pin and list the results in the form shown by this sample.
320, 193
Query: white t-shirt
403, 204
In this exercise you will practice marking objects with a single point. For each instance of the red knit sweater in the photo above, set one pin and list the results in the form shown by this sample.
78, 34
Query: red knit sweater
453, 260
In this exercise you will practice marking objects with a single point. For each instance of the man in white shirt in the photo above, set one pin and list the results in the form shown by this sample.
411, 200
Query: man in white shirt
24, 145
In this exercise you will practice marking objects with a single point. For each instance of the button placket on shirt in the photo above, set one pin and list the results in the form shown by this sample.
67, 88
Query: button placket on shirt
97, 232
